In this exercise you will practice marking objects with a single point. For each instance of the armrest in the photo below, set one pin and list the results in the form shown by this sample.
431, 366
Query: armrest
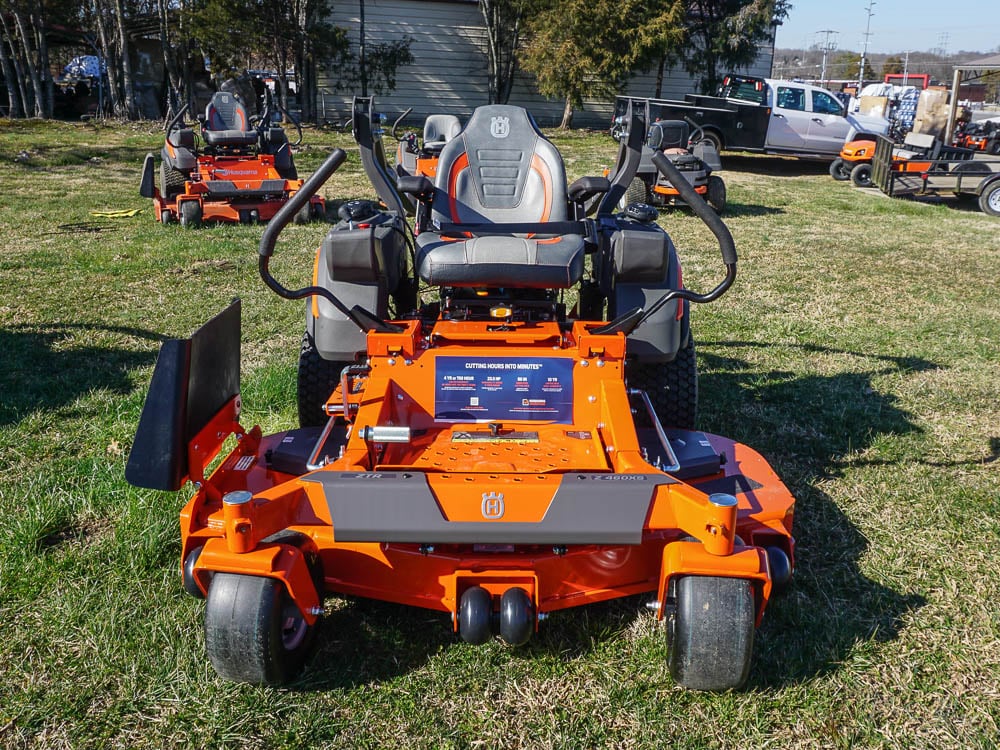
586, 188
416, 185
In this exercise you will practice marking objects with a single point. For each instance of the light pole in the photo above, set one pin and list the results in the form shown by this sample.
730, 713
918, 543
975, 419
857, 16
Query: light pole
864, 51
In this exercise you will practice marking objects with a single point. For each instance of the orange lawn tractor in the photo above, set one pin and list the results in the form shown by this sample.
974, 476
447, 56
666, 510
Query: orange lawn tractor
979, 136
852, 154
693, 154
484, 453
243, 172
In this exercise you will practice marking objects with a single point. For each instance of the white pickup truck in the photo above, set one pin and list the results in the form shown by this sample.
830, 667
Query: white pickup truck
766, 116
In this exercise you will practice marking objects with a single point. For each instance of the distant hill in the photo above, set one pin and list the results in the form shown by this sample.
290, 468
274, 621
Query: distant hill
843, 63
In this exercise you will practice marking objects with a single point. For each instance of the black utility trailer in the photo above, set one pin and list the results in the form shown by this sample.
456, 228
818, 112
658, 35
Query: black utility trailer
944, 171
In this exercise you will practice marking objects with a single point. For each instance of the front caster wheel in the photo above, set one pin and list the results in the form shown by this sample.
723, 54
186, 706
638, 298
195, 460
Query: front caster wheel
475, 613
710, 635
517, 616
253, 630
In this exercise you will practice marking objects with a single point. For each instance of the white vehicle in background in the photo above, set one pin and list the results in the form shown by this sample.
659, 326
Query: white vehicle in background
766, 115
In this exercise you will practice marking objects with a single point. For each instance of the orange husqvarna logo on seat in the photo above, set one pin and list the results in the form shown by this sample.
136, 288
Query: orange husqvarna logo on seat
500, 127
492, 505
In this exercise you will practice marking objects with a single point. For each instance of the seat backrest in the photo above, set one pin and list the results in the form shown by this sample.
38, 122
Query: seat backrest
667, 134
500, 168
224, 112
439, 129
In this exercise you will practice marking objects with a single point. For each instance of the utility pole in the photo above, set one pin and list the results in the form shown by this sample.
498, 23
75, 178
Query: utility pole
829, 45
864, 51
906, 67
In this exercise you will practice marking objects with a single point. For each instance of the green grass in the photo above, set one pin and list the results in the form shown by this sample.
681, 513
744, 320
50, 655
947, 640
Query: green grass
858, 352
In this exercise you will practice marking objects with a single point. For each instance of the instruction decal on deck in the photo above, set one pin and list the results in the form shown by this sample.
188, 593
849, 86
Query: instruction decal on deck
487, 389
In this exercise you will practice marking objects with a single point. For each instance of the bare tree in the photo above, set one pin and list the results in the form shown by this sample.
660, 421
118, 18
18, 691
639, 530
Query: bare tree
503, 37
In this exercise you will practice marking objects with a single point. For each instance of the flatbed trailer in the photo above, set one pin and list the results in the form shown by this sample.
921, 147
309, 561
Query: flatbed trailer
944, 171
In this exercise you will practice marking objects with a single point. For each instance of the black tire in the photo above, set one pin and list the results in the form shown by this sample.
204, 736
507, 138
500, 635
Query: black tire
840, 170
303, 215
861, 175
993, 147
318, 212
714, 138
989, 199
636, 192
716, 194
191, 214
167, 216
671, 386
317, 379
253, 631
173, 181
710, 633
475, 615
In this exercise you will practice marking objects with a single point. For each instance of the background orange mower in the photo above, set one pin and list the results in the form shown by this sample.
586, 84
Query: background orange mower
242, 172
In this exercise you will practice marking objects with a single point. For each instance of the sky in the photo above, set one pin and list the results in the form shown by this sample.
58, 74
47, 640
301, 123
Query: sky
896, 25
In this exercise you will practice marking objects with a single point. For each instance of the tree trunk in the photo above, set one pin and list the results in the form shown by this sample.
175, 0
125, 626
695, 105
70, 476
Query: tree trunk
658, 94
11, 72
567, 118
32, 63
48, 101
169, 61
126, 61
109, 60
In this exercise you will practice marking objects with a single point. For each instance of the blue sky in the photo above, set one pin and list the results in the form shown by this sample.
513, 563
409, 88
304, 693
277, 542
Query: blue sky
896, 26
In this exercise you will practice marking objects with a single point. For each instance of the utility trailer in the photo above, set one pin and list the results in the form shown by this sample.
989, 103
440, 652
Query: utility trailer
943, 170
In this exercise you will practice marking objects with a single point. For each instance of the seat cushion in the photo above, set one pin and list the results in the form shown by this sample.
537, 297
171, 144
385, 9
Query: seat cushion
501, 261
230, 137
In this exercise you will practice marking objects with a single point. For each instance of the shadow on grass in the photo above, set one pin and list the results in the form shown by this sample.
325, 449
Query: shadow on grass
775, 166
812, 428
47, 367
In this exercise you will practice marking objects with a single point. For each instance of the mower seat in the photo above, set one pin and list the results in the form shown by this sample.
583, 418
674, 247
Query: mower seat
438, 130
668, 134
499, 170
226, 122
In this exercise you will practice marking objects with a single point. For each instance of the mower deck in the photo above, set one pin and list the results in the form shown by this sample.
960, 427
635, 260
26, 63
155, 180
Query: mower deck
569, 509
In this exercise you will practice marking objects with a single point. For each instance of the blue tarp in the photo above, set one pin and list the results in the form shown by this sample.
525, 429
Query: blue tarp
85, 66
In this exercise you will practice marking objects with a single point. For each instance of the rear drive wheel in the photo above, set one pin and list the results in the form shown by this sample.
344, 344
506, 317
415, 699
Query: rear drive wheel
989, 199
716, 194
840, 170
861, 175
636, 192
317, 379
172, 181
303, 215
671, 386
191, 214
254, 632
710, 633
318, 211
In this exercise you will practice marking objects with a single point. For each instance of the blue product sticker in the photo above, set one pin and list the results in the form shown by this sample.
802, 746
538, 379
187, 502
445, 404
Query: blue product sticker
491, 389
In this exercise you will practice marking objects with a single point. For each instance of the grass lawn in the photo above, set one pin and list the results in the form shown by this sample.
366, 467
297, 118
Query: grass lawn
859, 351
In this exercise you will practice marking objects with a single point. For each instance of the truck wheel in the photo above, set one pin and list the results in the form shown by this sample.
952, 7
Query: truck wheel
861, 175
712, 138
840, 170
254, 632
671, 386
710, 633
636, 192
716, 195
317, 379
989, 199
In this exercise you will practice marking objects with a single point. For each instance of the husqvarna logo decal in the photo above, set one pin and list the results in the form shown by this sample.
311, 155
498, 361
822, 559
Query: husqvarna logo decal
500, 127
492, 505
